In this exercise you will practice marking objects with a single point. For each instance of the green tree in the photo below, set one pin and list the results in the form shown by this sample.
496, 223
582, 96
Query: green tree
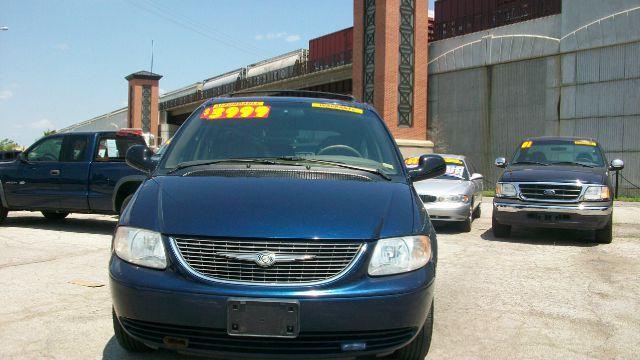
7, 144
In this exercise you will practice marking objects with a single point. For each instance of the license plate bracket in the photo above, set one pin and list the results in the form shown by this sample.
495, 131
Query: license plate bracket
263, 317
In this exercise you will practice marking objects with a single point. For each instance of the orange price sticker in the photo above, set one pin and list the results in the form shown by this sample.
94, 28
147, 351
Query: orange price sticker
247, 110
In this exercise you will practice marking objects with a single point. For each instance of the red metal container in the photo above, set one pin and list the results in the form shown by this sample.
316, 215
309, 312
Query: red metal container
331, 50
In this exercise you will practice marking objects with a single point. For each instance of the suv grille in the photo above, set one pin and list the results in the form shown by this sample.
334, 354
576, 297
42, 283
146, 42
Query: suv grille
554, 192
329, 259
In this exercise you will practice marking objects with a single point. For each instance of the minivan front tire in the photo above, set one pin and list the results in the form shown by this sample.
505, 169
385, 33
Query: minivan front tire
419, 347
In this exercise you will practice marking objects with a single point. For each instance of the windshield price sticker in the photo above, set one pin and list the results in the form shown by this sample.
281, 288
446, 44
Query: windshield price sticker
453, 161
412, 163
585, 142
527, 144
237, 110
455, 170
337, 107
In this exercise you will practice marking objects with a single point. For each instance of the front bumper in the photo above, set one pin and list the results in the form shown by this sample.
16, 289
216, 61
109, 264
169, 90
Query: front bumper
448, 211
585, 216
152, 305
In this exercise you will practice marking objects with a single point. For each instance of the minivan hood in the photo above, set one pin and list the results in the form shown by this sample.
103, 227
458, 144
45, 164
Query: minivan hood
265, 207
561, 174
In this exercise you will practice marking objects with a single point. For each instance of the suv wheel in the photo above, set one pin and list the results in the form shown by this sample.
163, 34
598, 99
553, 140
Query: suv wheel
605, 235
50, 215
126, 342
499, 230
419, 347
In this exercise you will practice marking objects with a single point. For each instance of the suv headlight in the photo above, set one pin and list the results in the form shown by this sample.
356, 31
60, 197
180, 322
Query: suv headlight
399, 255
140, 247
597, 193
505, 190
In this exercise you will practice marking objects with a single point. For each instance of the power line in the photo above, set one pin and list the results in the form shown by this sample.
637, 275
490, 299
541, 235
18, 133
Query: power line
192, 28
627, 180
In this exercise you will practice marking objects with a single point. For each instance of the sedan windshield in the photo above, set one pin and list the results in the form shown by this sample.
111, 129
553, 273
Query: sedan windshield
279, 132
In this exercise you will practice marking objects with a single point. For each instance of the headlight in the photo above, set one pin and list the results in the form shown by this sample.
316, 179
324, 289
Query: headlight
454, 198
140, 247
399, 255
597, 193
505, 190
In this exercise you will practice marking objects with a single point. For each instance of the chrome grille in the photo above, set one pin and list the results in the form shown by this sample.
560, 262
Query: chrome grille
550, 192
331, 258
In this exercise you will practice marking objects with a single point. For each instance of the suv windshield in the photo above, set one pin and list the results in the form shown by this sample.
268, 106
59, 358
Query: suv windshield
559, 152
284, 130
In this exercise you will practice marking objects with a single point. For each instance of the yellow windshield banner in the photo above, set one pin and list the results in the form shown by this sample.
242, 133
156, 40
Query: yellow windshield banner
527, 144
239, 104
585, 142
453, 161
411, 163
337, 107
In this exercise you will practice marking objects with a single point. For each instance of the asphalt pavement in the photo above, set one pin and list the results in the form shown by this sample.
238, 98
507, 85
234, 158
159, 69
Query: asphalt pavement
540, 294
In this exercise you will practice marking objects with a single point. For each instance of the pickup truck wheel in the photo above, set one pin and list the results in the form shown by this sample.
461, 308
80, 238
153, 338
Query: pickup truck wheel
125, 202
126, 342
3, 214
499, 230
605, 235
419, 347
50, 215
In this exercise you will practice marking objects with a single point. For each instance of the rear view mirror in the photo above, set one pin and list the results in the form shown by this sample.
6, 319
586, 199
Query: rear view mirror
476, 176
616, 165
428, 166
501, 162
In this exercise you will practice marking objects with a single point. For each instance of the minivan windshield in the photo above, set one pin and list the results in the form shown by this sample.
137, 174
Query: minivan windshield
320, 133
559, 152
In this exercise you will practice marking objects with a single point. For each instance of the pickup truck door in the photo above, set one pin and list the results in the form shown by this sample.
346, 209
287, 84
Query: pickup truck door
35, 185
109, 167
73, 180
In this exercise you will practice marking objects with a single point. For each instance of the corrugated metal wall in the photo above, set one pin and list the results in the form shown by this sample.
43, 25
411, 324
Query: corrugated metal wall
485, 112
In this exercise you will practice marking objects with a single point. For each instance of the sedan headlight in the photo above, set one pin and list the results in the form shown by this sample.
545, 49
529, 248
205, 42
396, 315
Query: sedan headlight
140, 247
399, 255
597, 193
505, 190
454, 198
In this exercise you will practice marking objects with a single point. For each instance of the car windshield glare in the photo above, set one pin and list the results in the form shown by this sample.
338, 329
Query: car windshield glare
560, 152
287, 130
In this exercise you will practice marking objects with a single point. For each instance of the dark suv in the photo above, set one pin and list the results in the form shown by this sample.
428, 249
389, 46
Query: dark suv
277, 227
556, 182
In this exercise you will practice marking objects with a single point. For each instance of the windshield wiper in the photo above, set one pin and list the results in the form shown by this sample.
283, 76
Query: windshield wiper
336, 163
572, 163
530, 162
188, 164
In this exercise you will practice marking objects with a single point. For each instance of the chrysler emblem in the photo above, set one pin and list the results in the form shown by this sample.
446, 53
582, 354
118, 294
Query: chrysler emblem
265, 258
549, 192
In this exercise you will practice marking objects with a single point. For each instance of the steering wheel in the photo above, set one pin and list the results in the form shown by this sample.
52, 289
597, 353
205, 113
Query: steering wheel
340, 149
48, 157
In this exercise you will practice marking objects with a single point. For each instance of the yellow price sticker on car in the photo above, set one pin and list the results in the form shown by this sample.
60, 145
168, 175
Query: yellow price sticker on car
526, 144
411, 163
585, 142
453, 161
237, 110
337, 107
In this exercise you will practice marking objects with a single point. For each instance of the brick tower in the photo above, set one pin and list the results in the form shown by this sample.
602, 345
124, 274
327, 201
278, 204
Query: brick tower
390, 57
143, 101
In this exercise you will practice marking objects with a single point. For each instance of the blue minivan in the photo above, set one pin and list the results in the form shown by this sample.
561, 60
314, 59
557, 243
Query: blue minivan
277, 227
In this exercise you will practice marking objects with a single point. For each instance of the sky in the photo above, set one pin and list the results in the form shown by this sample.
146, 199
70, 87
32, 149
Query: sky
64, 61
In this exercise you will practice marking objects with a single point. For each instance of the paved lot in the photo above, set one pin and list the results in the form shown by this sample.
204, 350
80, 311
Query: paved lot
540, 294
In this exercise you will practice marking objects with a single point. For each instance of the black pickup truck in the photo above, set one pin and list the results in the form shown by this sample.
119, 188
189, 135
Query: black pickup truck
71, 172
556, 182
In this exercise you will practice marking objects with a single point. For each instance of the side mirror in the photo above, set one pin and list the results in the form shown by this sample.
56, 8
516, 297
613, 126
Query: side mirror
21, 157
429, 166
139, 157
616, 165
476, 176
501, 162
